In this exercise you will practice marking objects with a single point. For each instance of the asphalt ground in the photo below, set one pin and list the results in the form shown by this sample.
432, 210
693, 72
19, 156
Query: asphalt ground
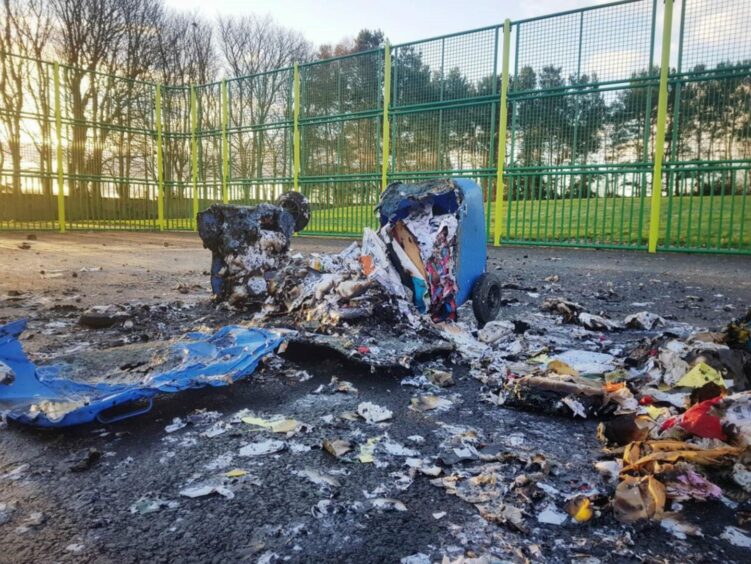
53, 514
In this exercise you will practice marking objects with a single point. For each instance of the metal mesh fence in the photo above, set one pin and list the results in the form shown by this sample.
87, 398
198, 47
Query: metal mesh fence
709, 143
340, 124
259, 136
578, 170
27, 164
579, 137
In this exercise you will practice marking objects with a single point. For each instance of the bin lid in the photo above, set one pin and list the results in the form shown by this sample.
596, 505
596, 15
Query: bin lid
399, 199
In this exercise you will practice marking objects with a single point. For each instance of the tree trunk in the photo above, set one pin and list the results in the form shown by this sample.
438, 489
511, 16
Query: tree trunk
77, 152
14, 144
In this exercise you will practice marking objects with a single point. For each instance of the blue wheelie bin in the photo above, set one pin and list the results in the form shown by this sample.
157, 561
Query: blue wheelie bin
463, 199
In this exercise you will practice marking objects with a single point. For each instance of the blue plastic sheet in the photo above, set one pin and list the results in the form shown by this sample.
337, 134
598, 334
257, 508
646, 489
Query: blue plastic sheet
43, 397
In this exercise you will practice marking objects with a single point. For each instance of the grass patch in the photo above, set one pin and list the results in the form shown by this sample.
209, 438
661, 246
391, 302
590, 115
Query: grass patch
694, 222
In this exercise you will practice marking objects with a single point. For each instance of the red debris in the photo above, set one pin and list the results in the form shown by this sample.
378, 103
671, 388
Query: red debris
699, 422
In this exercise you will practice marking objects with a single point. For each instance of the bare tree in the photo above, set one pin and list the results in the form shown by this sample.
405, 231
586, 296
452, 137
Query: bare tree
254, 44
89, 38
131, 107
186, 53
111, 50
186, 57
110, 46
34, 28
13, 69
255, 47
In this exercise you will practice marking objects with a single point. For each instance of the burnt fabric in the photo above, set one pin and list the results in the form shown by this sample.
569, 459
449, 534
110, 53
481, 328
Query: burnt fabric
440, 268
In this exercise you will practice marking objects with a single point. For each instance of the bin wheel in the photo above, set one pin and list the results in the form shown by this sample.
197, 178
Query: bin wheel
297, 205
486, 298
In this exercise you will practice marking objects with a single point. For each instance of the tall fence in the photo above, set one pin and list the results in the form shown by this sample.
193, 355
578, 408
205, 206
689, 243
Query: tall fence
623, 125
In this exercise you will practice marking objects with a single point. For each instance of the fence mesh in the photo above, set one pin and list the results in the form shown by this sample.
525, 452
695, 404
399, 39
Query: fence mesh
582, 86
340, 125
583, 91
709, 143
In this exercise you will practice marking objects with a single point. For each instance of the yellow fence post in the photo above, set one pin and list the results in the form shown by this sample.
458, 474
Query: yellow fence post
662, 110
159, 159
59, 150
296, 127
502, 110
385, 151
194, 152
225, 143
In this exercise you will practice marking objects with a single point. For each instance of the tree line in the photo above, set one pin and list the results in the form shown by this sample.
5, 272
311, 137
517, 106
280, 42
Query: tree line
708, 120
555, 121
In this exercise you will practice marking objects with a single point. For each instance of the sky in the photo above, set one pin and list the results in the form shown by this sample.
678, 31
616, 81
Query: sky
616, 44
328, 21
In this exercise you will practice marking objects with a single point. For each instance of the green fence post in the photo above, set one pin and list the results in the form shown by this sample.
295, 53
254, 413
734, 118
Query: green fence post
662, 110
502, 110
647, 134
194, 152
491, 144
59, 150
296, 127
159, 158
385, 150
225, 144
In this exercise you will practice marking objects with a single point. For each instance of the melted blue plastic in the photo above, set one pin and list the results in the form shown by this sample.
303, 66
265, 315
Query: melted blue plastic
218, 359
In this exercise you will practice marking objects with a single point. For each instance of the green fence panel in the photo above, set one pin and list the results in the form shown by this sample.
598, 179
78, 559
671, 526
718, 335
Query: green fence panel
178, 186
109, 151
340, 135
707, 196
581, 96
444, 106
210, 144
28, 170
260, 136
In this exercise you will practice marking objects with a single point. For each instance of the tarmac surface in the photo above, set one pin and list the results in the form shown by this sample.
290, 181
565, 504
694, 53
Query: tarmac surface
50, 513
